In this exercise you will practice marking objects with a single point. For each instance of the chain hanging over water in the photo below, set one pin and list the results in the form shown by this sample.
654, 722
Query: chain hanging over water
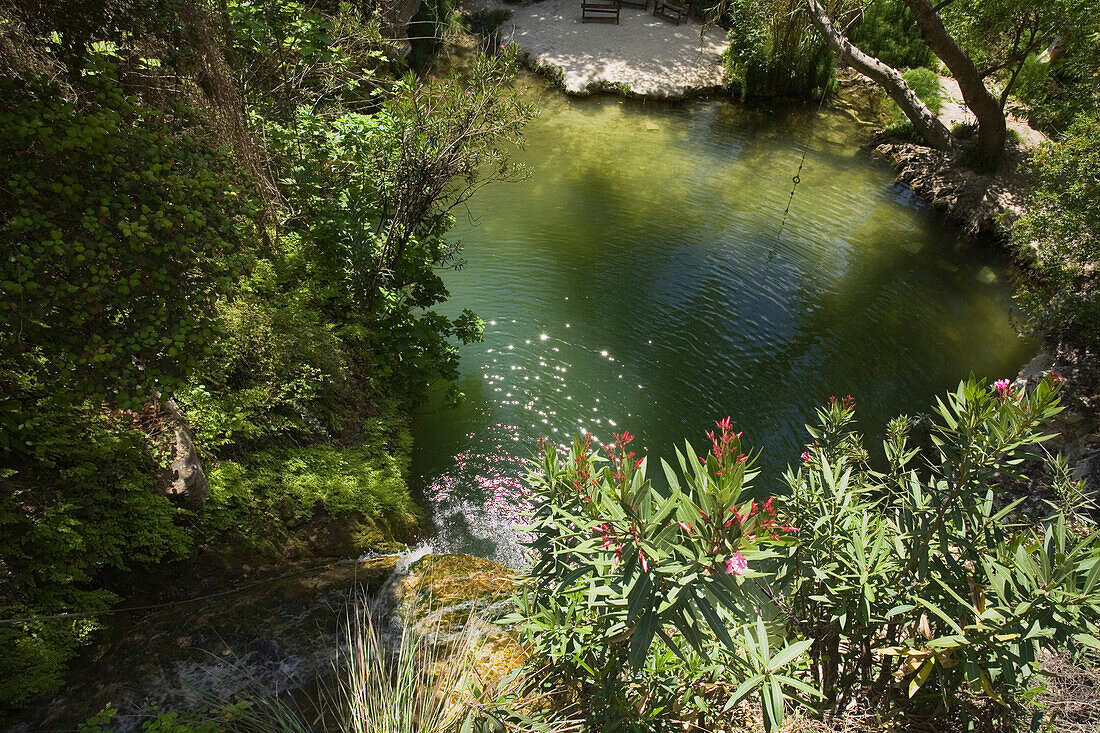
795, 180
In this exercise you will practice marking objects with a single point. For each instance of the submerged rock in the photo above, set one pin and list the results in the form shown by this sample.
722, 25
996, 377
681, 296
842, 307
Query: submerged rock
445, 594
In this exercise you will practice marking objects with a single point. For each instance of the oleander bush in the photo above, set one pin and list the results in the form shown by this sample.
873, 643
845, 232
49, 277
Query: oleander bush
918, 588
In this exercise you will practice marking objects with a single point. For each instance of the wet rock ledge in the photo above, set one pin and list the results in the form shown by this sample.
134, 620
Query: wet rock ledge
983, 204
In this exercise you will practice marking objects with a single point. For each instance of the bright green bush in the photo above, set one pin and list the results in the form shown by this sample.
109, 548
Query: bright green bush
132, 261
926, 573
926, 85
298, 53
79, 498
911, 590
886, 30
279, 372
620, 564
261, 498
373, 245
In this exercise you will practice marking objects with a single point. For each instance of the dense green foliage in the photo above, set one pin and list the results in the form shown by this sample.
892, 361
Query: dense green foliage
260, 500
267, 255
79, 499
1059, 235
774, 51
918, 589
886, 30
1002, 36
291, 54
122, 227
926, 573
926, 85
620, 564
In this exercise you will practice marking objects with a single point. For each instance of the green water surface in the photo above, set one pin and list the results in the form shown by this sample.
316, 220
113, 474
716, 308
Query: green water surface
637, 281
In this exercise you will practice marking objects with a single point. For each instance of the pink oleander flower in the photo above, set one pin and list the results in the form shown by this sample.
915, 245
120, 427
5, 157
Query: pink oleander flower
737, 565
805, 456
847, 402
1003, 388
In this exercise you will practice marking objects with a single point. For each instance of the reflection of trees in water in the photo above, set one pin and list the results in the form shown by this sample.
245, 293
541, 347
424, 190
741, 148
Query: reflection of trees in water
664, 243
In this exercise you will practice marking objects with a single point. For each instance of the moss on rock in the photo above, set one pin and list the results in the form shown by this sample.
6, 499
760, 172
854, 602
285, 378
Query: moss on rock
443, 594
316, 501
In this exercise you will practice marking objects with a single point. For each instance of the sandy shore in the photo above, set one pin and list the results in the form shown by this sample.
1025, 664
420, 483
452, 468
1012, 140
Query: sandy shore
642, 55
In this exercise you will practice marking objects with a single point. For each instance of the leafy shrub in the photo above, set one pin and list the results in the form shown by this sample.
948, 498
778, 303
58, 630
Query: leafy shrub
925, 573
620, 564
964, 130
280, 371
774, 51
78, 499
121, 228
926, 85
907, 590
1058, 234
374, 245
265, 495
485, 22
292, 53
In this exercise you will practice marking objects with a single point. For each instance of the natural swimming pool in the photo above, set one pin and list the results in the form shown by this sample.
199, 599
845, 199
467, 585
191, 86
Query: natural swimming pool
638, 281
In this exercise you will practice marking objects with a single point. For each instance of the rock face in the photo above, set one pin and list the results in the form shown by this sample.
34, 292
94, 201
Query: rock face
1078, 425
981, 203
187, 480
444, 593
280, 632
396, 15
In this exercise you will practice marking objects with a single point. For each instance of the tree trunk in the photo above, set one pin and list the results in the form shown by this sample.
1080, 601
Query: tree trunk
890, 79
986, 107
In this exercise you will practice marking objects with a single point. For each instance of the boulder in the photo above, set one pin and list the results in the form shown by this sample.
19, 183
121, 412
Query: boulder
395, 17
444, 594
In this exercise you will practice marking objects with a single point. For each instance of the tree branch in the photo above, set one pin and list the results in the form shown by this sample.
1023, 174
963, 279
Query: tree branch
890, 79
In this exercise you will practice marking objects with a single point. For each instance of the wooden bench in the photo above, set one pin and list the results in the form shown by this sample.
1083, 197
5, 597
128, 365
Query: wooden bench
604, 11
671, 10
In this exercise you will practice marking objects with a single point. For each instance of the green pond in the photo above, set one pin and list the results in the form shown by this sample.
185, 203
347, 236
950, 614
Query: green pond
638, 281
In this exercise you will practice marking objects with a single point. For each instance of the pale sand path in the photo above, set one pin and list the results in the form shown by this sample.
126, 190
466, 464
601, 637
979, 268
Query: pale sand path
651, 56
954, 110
